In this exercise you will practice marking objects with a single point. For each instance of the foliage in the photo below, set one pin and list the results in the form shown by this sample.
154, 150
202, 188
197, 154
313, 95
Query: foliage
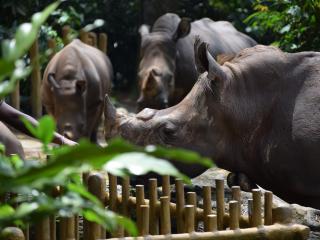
294, 25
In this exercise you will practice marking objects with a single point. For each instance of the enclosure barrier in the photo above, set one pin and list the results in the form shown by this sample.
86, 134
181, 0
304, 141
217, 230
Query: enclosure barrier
89, 38
159, 218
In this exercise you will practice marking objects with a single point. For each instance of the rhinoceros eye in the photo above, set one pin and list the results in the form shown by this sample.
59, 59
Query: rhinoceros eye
168, 132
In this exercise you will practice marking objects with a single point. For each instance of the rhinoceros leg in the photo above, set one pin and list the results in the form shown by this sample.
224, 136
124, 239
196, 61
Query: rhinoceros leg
10, 141
240, 179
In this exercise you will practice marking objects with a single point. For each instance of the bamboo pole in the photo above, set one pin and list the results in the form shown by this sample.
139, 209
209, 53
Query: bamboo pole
35, 80
53, 228
268, 197
43, 230
153, 200
234, 215
211, 223
66, 35
113, 192
144, 220
236, 195
256, 208
189, 218
192, 200
26, 232
220, 202
70, 227
250, 209
207, 206
103, 42
179, 205
84, 36
76, 227
140, 201
92, 39
273, 232
62, 228
165, 222
166, 186
125, 196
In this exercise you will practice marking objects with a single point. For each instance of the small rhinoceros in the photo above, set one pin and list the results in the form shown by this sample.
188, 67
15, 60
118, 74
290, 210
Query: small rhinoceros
257, 114
73, 88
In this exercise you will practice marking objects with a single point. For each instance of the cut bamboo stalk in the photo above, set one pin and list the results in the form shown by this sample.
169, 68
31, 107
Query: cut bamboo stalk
113, 192
236, 195
192, 200
144, 220
179, 205
84, 36
153, 200
140, 201
103, 42
165, 221
76, 227
70, 226
92, 39
220, 202
256, 208
26, 232
234, 214
250, 209
66, 35
63, 228
43, 230
125, 196
211, 223
268, 198
166, 186
189, 218
207, 206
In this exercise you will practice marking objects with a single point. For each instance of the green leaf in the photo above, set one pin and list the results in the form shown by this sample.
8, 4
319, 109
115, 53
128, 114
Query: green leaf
6, 211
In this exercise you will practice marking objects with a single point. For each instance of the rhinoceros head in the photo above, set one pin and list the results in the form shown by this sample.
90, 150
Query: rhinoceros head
69, 106
156, 75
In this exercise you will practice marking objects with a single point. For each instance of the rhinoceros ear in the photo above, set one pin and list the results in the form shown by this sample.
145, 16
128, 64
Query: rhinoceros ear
144, 30
183, 29
205, 62
52, 81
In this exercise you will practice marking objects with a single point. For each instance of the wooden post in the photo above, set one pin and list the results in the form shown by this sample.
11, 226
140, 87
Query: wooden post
96, 186
70, 226
166, 186
66, 35
256, 208
192, 200
15, 97
84, 36
236, 195
144, 220
43, 230
180, 205
140, 201
76, 227
207, 207
113, 192
35, 81
53, 228
165, 222
92, 39
220, 202
189, 218
125, 196
103, 42
153, 199
26, 232
234, 215
268, 196
211, 223
52, 47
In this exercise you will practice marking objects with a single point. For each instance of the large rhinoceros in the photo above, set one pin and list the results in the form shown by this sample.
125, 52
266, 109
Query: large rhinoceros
258, 114
73, 89
167, 67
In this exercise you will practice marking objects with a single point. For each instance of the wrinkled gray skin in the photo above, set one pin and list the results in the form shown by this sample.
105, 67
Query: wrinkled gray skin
257, 115
74, 85
166, 70
10, 141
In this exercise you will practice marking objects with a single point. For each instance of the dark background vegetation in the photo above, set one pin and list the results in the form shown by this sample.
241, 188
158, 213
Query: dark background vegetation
291, 25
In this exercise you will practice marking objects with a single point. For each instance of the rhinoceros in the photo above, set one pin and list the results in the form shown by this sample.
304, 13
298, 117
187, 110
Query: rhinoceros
167, 67
73, 89
257, 114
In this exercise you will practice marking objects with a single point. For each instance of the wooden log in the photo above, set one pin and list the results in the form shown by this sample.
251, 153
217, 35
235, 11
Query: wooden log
103, 42
12, 233
96, 186
268, 198
66, 35
211, 223
166, 186
153, 200
234, 214
144, 220
207, 206
165, 221
52, 47
236, 195
15, 97
140, 201
179, 205
220, 202
35, 80
125, 196
189, 218
256, 208
113, 192
273, 232
43, 230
